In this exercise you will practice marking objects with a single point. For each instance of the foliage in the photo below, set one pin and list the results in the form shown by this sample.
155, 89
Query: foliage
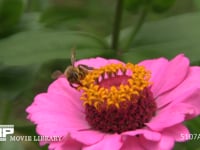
36, 38
10, 15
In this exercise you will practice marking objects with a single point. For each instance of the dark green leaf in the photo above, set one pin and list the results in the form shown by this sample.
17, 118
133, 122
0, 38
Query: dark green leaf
30, 21
14, 80
10, 13
133, 5
7, 145
59, 13
36, 47
197, 4
168, 37
161, 5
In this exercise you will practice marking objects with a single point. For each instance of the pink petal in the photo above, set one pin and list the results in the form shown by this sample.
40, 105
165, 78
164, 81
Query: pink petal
188, 91
175, 73
132, 143
147, 133
170, 115
166, 143
87, 137
55, 146
66, 144
53, 109
166, 76
157, 68
191, 99
179, 132
163, 141
110, 141
71, 145
62, 87
97, 62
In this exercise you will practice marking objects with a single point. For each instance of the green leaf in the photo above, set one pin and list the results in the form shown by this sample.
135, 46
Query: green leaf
30, 21
10, 14
160, 6
197, 4
167, 37
14, 80
36, 47
24, 53
8, 145
133, 5
58, 13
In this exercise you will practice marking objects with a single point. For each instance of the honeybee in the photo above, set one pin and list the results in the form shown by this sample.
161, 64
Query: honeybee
74, 74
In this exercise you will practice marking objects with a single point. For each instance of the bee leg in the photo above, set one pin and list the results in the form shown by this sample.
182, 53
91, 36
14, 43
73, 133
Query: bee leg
79, 83
85, 67
72, 85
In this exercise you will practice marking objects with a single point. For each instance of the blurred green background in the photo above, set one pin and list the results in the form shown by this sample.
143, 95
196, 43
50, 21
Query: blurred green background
36, 38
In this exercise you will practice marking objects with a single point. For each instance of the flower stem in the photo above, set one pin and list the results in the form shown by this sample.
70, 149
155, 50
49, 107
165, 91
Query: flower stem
138, 26
116, 25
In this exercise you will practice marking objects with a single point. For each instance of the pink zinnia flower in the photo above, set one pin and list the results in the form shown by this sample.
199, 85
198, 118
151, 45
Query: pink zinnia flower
120, 106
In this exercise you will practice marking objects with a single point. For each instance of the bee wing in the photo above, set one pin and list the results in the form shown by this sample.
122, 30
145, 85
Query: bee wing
73, 56
56, 74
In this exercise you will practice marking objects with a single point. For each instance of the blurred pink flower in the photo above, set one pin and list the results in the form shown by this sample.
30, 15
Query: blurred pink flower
174, 88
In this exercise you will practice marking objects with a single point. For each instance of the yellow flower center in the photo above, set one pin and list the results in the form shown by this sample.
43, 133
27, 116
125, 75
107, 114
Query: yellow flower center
127, 81
117, 98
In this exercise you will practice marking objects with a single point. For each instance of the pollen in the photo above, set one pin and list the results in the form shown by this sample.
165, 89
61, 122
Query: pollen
112, 84
118, 97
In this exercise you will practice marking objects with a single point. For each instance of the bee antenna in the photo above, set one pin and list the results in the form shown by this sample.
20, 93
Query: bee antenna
73, 56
